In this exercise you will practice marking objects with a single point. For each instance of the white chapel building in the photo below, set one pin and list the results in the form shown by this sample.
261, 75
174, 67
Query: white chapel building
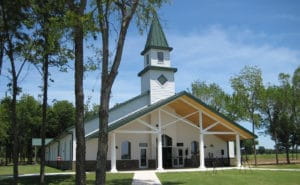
159, 128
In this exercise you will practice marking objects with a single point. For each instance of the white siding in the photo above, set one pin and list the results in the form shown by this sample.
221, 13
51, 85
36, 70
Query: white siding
158, 91
65, 147
180, 132
153, 58
145, 82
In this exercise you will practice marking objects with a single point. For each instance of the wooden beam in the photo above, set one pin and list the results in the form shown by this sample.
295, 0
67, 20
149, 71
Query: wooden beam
179, 119
147, 124
207, 114
211, 126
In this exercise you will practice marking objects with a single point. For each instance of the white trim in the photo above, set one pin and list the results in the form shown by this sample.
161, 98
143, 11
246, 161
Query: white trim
201, 143
159, 143
238, 150
212, 117
147, 124
135, 132
113, 153
140, 148
210, 126
221, 133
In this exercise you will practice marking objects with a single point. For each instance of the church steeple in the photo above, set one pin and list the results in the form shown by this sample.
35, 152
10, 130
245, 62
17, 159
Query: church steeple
156, 37
157, 77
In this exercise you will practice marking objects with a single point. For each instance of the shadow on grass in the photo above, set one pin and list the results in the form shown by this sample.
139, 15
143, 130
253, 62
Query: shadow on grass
172, 183
61, 179
126, 181
35, 180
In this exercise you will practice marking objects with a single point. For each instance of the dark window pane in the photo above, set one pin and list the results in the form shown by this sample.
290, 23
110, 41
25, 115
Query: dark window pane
162, 79
126, 150
160, 56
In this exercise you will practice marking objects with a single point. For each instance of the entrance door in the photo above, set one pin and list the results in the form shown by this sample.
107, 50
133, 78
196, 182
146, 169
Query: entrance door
167, 157
143, 158
178, 161
180, 158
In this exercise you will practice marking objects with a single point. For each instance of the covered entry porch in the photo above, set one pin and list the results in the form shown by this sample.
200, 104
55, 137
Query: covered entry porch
179, 132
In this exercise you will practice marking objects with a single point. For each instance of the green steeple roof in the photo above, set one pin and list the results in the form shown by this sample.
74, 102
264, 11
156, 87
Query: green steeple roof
156, 38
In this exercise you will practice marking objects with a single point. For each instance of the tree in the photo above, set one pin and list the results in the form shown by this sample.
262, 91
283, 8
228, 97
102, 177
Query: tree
47, 51
77, 15
270, 109
296, 108
214, 96
91, 112
13, 41
247, 86
5, 127
29, 119
61, 115
211, 94
261, 149
119, 13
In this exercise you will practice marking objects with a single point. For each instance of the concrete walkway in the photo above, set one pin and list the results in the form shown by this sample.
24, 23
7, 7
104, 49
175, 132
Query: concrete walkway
146, 177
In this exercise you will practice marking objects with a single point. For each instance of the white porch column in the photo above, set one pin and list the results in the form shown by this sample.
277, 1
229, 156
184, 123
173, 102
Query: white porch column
238, 150
159, 144
201, 143
113, 153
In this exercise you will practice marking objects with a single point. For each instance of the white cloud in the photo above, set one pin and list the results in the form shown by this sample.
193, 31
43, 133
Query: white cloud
216, 55
213, 55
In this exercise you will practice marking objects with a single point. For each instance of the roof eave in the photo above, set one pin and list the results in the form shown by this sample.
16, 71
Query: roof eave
156, 47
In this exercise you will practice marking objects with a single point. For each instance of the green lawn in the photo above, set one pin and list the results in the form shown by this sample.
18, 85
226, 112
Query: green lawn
112, 179
281, 166
232, 177
25, 169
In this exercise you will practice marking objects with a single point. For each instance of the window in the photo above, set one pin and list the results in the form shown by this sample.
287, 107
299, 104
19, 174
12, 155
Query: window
143, 145
147, 59
194, 147
160, 57
179, 144
162, 79
126, 150
166, 140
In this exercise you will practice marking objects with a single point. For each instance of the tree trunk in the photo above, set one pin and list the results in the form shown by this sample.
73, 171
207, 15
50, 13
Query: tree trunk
276, 151
293, 150
287, 155
103, 137
109, 74
254, 144
296, 152
79, 101
13, 113
7, 153
29, 152
44, 116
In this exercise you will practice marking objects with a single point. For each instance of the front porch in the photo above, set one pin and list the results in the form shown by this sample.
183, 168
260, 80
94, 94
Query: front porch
181, 133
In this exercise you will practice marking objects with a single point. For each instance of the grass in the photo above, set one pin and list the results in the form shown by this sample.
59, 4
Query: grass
271, 158
231, 177
112, 179
26, 169
281, 166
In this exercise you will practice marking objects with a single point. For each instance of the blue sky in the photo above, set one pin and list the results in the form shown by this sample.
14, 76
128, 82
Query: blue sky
212, 40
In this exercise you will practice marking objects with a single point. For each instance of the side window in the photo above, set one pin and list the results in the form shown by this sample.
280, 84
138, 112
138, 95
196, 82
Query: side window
160, 57
194, 147
147, 59
126, 150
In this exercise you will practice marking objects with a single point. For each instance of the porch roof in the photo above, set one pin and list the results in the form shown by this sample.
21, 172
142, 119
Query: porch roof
189, 98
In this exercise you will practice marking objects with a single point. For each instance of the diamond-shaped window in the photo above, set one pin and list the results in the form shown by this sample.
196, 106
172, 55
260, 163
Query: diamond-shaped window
162, 79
